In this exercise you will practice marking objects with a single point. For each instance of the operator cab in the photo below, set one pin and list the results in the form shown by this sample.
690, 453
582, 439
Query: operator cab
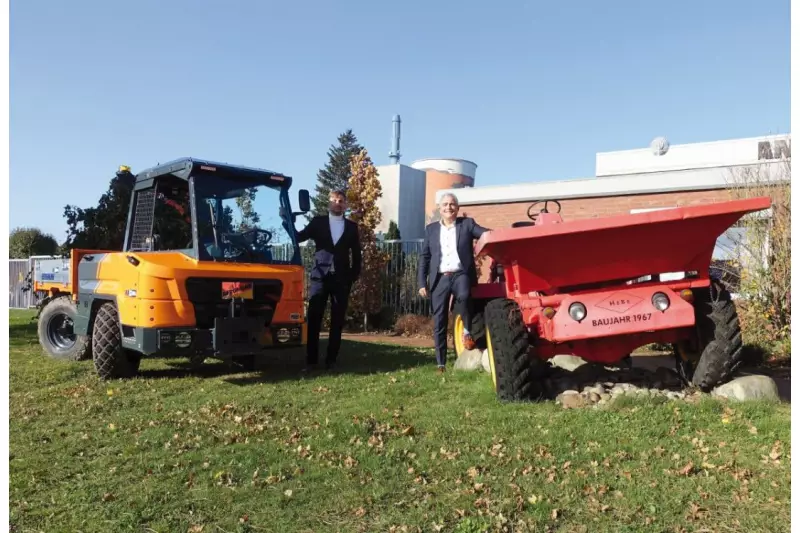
215, 212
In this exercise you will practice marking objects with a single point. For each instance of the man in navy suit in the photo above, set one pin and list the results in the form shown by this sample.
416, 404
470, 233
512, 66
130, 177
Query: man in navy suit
447, 267
337, 266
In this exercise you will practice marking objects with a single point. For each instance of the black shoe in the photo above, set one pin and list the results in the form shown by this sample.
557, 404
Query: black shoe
331, 366
309, 368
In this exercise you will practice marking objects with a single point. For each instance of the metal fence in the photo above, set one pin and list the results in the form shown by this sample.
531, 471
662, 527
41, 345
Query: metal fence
399, 291
399, 280
17, 271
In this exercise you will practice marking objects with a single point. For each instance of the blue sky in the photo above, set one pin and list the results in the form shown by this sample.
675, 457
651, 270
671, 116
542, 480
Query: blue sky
528, 90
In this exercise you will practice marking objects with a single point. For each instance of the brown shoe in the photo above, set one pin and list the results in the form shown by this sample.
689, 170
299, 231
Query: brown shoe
440, 370
469, 343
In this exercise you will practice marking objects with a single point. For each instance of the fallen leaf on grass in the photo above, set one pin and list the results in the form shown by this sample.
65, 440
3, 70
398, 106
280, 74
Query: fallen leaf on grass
696, 512
197, 528
108, 497
686, 470
360, 512
554, 514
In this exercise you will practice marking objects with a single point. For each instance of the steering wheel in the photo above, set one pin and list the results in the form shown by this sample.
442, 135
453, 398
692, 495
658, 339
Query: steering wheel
533, 216
255, 233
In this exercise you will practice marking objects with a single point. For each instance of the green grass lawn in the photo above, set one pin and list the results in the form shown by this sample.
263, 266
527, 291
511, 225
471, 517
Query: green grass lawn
386, 445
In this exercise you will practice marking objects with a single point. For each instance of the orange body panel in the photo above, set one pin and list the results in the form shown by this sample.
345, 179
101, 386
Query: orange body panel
159, 283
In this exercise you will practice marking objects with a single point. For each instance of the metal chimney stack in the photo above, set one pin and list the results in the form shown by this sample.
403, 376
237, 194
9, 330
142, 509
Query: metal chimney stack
394, 155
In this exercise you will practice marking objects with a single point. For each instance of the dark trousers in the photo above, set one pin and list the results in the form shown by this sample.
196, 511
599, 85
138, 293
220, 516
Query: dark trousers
339, 293
456, 284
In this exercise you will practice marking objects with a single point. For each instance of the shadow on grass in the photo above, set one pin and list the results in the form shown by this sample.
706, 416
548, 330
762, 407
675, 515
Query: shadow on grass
355, 358
23, 333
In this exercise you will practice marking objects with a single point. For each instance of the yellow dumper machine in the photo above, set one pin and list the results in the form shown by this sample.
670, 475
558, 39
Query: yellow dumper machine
190, 280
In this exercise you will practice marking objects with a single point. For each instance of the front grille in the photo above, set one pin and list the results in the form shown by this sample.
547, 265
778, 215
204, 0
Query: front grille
205, 294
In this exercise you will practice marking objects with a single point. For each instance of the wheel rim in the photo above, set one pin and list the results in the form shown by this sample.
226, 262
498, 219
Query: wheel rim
60, 332
491, 358
686, 360
458, 335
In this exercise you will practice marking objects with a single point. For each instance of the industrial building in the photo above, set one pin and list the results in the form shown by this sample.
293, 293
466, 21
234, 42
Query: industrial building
655, 177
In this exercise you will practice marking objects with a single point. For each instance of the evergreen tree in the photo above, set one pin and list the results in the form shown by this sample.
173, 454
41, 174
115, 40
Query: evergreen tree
336, 174
393, 233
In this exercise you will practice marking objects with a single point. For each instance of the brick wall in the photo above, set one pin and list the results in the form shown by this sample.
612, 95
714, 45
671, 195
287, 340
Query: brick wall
502, 215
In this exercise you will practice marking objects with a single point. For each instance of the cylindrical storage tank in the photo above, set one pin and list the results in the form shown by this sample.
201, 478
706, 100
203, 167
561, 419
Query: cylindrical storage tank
444, 174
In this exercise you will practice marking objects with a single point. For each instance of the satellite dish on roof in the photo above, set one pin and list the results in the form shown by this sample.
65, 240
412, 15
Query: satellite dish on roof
659, 146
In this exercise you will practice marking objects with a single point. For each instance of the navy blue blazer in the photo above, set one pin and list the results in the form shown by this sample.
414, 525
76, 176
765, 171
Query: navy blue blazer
431, 257
345, 254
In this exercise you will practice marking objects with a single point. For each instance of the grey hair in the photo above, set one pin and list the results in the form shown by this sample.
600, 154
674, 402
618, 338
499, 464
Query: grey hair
449, 194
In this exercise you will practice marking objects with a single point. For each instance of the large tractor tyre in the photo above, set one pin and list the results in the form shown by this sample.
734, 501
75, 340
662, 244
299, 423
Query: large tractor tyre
477, 328
56, 334
510, 363
715, 352
111, 360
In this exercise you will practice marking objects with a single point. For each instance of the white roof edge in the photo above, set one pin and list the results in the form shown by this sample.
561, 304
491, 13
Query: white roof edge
770, 137
588, 188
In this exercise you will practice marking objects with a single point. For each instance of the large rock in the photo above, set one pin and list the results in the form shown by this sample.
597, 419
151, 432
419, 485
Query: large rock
485, 362
755, 387
567, 362
469, 360
571, 399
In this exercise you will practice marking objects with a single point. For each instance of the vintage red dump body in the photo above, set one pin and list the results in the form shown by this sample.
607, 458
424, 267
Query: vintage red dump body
596, 263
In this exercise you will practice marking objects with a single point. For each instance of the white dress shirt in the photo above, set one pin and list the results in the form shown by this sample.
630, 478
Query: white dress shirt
447, 246
337, 229
337, 226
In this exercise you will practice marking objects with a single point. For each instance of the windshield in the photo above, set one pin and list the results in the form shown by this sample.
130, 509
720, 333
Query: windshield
239, 221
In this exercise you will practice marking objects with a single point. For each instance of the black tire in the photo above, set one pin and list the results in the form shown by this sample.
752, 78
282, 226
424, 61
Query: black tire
111, 360
716, 351
509, 350
56, 335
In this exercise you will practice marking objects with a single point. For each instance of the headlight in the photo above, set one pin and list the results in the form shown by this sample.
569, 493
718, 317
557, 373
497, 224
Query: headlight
577, 311
183, 339
283, 335
660, 301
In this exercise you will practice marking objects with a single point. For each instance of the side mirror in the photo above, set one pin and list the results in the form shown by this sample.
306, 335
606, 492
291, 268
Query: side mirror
304, 201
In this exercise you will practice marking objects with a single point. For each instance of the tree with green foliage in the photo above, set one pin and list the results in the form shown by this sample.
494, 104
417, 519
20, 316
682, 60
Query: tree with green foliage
103, 226
249, 216
393, 233
25, 242
336, 174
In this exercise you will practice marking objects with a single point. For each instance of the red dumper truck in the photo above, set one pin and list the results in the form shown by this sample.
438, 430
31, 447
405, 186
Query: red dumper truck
596, 289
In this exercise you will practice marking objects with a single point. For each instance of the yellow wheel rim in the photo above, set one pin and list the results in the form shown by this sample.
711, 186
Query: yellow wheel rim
491, 358
458, 335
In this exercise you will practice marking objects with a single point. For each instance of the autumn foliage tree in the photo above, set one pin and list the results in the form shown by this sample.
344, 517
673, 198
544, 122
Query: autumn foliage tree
362, 195
763, 254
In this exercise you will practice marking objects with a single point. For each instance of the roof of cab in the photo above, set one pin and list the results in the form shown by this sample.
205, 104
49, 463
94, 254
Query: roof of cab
188, 166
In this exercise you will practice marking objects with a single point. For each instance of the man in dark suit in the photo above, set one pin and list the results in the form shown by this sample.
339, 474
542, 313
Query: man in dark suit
447, 267
337, 266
